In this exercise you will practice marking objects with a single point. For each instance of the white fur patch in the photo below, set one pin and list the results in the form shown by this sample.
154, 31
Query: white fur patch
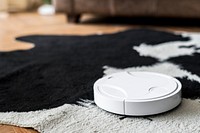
78, 119
164, 51
165, 68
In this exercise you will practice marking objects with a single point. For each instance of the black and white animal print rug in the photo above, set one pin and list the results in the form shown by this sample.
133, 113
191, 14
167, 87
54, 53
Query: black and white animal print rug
50, 87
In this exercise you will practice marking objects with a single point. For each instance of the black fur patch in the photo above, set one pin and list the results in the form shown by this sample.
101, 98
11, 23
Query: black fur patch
62, 69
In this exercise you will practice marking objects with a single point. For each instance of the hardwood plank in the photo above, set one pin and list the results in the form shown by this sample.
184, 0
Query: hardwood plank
15, 129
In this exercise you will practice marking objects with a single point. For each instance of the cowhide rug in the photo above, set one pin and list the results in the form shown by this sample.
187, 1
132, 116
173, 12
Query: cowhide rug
50, 87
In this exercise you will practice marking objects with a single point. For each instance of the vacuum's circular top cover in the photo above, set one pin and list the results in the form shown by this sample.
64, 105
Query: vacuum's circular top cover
126, 88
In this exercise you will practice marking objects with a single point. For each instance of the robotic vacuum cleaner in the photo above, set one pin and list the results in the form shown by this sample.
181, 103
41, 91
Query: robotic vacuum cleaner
137, 93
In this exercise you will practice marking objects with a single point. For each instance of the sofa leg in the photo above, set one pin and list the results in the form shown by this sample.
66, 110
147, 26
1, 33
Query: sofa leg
73, 18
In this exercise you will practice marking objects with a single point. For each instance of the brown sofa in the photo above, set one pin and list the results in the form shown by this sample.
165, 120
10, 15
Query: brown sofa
155, 8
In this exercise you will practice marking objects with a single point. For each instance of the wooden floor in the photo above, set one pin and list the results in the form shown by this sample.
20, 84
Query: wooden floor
14, 25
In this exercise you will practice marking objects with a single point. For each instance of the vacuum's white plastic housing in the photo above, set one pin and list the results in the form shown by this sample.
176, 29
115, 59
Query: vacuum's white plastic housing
137, 93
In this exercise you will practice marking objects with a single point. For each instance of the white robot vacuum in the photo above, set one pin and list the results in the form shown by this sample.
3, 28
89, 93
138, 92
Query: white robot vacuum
137, 93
